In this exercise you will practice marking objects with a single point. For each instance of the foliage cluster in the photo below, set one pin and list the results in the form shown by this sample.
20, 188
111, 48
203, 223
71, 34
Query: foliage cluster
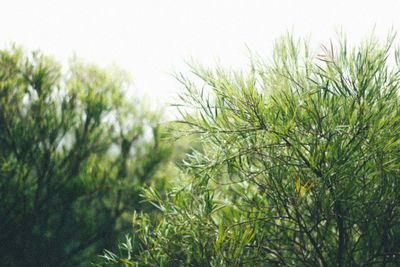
299, 165
293, 163
74, 154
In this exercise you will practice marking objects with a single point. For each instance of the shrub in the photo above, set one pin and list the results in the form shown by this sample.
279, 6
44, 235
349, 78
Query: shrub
299, 166
74, 154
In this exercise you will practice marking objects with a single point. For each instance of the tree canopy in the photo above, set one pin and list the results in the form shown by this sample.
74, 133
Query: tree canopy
74, 154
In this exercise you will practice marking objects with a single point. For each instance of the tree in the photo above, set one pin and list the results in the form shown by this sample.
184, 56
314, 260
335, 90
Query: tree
74, 154
299, 165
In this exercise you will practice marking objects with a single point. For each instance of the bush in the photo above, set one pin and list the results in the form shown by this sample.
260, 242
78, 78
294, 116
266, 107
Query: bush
299, 166
74, 154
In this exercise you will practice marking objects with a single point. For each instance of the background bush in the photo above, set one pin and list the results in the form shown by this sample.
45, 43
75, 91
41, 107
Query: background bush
74, 154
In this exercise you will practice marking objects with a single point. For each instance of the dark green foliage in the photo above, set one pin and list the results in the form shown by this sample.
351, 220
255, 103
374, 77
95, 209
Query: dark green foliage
73, 156
300, 166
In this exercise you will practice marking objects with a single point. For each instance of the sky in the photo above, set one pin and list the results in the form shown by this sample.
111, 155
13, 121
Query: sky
153, 39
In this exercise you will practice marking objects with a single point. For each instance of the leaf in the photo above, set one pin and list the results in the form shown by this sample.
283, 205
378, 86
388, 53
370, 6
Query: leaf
298, 186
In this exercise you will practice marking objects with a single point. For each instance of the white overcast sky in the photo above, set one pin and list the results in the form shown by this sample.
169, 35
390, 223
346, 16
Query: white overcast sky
151, 39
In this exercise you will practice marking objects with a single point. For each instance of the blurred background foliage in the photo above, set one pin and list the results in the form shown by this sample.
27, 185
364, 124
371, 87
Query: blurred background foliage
74, 155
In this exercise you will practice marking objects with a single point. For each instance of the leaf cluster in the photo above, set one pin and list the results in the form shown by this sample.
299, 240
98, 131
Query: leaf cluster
299, 165
74, 154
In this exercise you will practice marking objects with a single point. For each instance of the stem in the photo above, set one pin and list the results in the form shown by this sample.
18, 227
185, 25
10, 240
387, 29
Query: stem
340, 256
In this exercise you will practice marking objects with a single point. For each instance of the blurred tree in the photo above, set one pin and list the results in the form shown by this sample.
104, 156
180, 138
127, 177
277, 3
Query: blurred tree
74, 154
299, 166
